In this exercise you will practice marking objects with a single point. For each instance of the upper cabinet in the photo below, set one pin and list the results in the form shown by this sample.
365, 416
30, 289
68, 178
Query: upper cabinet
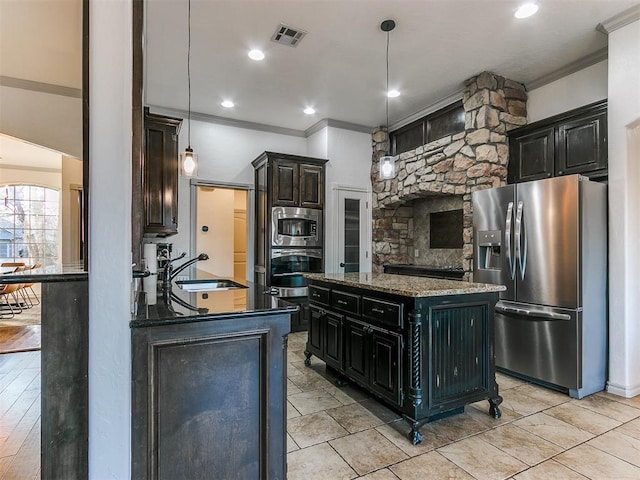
160, 174
294, 181
573, 142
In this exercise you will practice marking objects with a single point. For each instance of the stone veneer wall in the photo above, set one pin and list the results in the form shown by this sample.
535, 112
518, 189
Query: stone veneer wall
456, 165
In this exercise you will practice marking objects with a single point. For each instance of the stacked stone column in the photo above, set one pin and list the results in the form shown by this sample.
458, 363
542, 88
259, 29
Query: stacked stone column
456, 164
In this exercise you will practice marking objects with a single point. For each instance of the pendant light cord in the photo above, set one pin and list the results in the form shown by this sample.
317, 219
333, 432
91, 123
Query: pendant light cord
189, 77
388, 149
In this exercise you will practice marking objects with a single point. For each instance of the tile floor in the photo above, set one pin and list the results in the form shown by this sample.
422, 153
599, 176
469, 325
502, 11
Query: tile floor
342, 433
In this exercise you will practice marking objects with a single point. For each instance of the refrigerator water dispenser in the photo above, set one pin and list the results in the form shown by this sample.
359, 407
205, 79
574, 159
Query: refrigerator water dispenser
489, 249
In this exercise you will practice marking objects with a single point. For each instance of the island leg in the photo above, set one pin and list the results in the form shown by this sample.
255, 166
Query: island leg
414, 435
307, 360
494, 410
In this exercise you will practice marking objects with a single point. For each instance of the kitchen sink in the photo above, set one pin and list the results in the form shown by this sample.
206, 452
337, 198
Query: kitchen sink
209, 285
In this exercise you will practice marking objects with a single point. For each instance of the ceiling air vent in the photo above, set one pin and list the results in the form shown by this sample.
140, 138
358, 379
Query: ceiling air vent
288, 35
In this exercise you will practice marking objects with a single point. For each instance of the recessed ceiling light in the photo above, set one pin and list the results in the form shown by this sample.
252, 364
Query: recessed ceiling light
309, 110
526, 10
227, 104
393, 93
256, 55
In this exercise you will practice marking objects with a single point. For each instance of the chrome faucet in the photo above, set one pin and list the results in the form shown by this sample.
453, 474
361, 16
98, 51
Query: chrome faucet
169, 273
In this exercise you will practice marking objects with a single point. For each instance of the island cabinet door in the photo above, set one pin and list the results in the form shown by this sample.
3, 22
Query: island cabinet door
333, 339
460, 354
355, 356
385, 364
314, 340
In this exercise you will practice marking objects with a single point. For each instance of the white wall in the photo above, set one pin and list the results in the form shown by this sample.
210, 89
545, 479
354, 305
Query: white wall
580, 88
624, 220
110, 61
349, 153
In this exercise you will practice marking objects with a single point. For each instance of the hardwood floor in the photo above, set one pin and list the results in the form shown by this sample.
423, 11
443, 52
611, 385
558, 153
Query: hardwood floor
19, 339
20, 416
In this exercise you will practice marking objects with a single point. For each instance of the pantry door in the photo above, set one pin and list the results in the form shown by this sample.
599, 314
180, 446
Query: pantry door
353, 247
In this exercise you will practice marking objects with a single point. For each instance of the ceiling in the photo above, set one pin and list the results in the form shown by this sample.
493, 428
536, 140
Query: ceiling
339, 66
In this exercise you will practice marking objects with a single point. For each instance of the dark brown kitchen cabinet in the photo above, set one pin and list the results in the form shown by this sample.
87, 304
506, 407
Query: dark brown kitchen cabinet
209, 398
160, 174
572, 142
297, 184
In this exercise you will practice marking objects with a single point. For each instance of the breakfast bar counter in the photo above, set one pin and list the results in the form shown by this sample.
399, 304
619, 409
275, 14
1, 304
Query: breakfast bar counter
423, 346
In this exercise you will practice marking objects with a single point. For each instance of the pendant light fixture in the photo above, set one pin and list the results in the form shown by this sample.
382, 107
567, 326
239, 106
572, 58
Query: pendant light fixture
189, 160
387, 162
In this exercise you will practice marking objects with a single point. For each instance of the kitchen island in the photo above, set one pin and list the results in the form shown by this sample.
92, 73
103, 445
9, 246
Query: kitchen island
423, 346
209, 384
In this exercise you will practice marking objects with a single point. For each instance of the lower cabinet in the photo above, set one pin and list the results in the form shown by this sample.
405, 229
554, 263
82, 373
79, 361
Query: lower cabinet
372, 359
425, 357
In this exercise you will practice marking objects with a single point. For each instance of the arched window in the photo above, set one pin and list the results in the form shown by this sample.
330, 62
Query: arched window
29, 224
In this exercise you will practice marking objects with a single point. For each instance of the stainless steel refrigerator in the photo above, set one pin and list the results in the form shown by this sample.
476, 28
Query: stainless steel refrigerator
546, 241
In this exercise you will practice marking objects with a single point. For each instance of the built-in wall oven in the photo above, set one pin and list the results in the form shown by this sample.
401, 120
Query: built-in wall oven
296, 227
288, 265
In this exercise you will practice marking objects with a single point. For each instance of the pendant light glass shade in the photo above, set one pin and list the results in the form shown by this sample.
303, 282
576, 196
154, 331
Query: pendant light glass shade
189, 163
387, 167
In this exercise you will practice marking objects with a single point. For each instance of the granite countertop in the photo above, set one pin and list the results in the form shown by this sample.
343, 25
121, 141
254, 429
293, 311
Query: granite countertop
179, 306
48, 274
406, 285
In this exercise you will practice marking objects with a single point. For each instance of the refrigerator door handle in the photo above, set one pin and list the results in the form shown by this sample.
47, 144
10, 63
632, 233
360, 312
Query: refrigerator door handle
531, 312
521, 240
507, 235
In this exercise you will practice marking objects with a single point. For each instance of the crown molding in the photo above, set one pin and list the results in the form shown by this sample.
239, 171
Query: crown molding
40, 87
620, 20
573, 67
330, 122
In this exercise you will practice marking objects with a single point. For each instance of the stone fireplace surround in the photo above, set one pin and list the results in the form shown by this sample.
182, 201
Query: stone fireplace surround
457, 165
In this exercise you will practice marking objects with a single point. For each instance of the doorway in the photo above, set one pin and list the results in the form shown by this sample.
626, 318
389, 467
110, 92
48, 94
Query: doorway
352, 230
221, 229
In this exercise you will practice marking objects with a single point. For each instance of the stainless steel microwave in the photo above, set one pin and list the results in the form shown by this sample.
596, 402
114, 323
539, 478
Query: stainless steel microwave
296, 227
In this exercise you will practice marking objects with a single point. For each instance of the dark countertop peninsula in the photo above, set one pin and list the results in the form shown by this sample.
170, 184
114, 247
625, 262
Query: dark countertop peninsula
48, 274
180, 306
405, 285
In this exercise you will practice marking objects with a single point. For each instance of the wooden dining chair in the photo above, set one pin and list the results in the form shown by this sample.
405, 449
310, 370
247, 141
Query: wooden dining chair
11, 289
28, 287
19, 287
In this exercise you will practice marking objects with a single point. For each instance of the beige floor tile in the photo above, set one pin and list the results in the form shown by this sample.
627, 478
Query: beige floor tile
506, 382
320, 462
291, 411
521, 403
314, 429
554, 430
598, 465
583, 418
313, 401
291, 444
544, 395
310, 380
354, 417
292, 388
479, 411
550, 470
457, 426
632, 402
368, 451
294, 369
631, 428
482, 460
384, 474
347, 394
520, 444
429, 466
396, 432
620, 445
611, 408
380, 410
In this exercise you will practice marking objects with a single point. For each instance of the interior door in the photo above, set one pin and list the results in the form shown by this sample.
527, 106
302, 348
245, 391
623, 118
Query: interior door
354, 227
